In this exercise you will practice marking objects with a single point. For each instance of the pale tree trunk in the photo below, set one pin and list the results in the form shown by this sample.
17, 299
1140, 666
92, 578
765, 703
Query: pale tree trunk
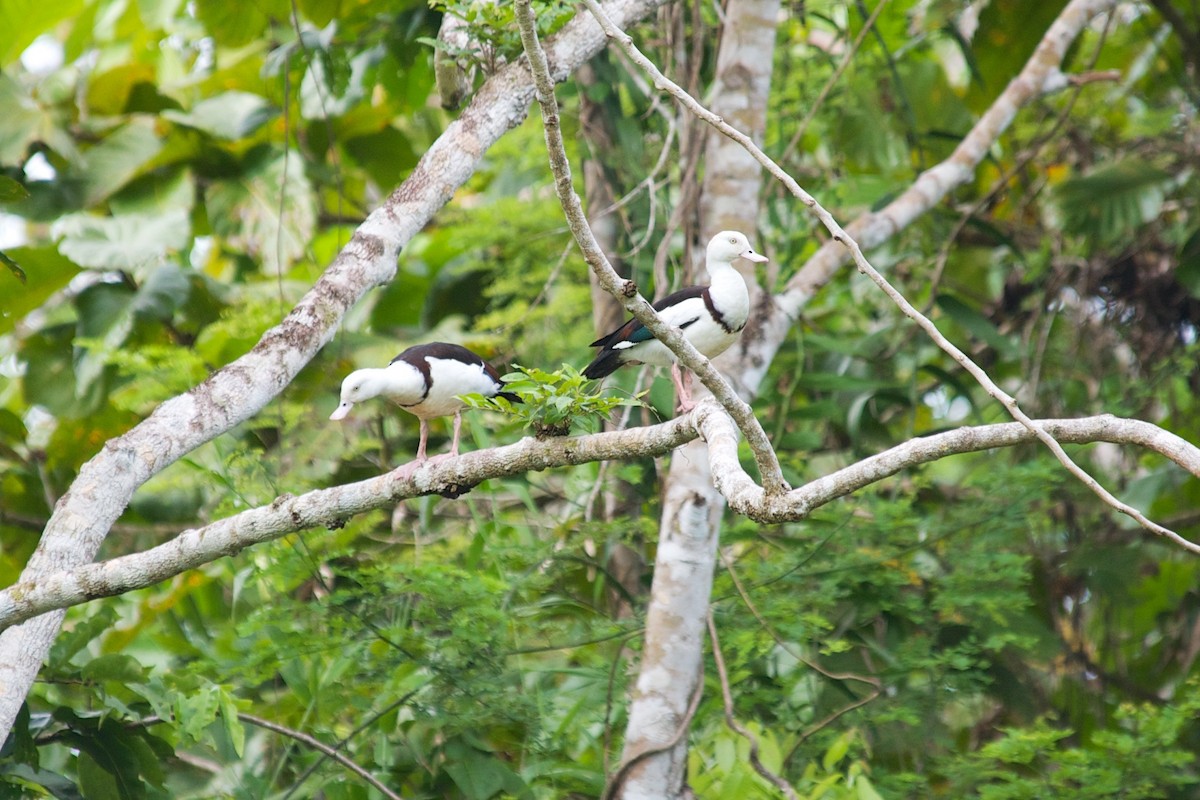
671, 671
234, 393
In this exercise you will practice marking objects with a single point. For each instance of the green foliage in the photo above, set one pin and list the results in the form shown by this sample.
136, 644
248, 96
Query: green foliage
494, 28
553, 403
1112, 202
974, 628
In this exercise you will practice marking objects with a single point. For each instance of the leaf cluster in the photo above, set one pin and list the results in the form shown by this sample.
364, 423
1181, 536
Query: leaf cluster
553, 403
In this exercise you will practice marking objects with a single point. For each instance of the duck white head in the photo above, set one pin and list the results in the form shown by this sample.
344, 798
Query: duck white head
399, 382
728, 246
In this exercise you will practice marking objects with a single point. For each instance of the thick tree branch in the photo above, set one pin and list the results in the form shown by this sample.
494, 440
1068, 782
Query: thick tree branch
233, 394
332, 507
748, 499
625, 291
329, 508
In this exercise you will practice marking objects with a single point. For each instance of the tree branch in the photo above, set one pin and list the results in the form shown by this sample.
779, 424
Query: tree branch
329, 508
332, 507
748, 499
625, 291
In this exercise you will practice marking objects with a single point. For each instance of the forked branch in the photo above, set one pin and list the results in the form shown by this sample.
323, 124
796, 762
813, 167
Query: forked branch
1054, 44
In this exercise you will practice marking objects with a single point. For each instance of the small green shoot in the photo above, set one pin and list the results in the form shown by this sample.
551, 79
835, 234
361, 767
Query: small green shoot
551, 402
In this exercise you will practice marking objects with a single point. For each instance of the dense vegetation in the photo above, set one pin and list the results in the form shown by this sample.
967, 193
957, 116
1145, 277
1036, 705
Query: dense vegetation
981, 627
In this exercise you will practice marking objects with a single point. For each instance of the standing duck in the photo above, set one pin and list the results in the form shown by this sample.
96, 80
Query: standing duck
425, 380
711, 318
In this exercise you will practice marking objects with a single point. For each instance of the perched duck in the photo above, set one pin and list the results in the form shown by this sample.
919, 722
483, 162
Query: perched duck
711, 317
425, 380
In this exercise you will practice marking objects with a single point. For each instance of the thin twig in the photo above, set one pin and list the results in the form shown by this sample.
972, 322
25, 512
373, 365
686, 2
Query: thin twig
626, 291
362, 726
864, 266
731, 721
317, 744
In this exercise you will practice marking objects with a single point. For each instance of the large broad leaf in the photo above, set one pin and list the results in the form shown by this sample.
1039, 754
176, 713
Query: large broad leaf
22, 21
21, 118
232, 115
1113, 201
238, 23
113, 162
46, 271
108, 93
160, 294
11, 190
332, 85
247, 212
125, 242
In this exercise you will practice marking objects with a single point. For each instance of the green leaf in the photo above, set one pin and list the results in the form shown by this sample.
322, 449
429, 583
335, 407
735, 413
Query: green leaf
236, 24
233, 726
247, 212
22, 21
195, 711
22, 117
125, 242
116, 667
77, 637
113, 769
11, 190
112, 319
975, 323
837, 751
14, 268
95, 782
479, 775
1188, 271
1111, 202
58, 786
230, 115
46, 272
119, 157
865, 790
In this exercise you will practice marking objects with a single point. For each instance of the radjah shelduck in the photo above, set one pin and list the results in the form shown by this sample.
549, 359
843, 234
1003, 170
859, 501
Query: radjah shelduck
425, 380
711, 318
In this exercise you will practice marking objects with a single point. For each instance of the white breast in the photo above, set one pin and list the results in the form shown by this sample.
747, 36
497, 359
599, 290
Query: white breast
448, 379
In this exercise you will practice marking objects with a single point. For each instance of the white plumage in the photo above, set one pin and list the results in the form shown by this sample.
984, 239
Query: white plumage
711, 318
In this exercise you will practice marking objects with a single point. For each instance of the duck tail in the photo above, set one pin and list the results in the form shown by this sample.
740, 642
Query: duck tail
605, 364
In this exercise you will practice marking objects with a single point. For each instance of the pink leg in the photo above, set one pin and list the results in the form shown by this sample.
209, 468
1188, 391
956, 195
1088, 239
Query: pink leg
683, 389
424, 440
406, 472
